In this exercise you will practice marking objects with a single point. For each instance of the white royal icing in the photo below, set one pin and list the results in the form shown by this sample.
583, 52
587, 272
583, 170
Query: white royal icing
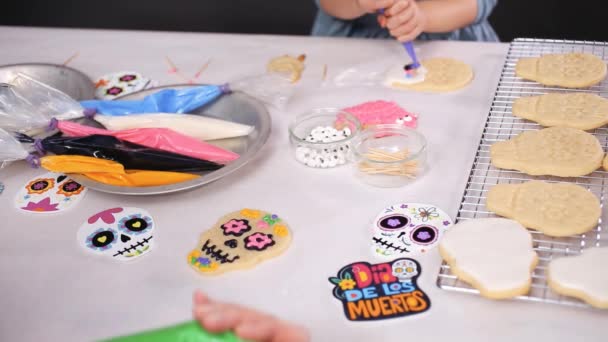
496, 252
197, 126
586, 273
397, 75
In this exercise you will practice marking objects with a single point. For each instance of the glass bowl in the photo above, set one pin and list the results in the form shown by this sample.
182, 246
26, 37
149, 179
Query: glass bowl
321, 138
388, 155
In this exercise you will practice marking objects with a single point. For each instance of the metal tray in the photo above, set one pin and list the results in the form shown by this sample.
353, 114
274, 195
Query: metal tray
236, 107
502, 125
70, 81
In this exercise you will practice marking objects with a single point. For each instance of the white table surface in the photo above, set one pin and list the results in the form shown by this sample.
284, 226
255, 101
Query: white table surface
51, 290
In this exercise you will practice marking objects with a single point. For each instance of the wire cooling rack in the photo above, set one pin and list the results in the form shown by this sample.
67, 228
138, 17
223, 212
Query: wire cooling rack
502, 125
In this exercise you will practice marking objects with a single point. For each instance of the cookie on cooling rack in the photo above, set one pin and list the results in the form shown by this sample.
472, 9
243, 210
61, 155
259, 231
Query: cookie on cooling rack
556, 209
569, 70
494, 255
584, 276
555, 151
577, 110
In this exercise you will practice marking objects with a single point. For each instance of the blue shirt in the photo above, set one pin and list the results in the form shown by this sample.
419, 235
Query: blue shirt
367, 26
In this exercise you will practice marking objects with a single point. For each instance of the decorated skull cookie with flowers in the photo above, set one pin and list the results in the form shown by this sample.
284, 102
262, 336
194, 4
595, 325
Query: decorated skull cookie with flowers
408, 229
239, 240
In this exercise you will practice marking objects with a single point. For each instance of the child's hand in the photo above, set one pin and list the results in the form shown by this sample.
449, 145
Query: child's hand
404, 20
247, 324
374, 6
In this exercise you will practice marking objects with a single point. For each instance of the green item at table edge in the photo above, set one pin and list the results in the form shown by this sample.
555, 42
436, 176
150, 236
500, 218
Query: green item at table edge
185, 332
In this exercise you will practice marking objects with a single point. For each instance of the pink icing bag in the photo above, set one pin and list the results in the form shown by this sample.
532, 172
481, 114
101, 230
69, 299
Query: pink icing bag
159, 138
381, 112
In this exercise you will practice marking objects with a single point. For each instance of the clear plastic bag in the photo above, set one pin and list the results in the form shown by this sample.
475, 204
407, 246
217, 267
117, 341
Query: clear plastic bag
27, 104
10, 149
272, 89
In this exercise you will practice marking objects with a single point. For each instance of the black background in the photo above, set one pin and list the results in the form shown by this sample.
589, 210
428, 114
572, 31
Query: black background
573, 19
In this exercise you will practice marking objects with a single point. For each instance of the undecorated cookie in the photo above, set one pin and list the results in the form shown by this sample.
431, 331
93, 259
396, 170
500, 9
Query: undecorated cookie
441, 75
556, 209
240, 240
605, 163
584, 276
556, 151
571, 70
577, 110
494, 255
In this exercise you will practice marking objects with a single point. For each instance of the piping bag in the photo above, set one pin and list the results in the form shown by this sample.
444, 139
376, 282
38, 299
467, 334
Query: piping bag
110, 172
195, 126
26, 105
10, 149
185, 332
272, 89
131, 156
160, 138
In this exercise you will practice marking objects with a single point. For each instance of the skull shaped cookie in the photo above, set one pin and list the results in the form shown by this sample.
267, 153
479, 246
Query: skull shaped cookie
239, 240
49, 193
118, 233
408, 229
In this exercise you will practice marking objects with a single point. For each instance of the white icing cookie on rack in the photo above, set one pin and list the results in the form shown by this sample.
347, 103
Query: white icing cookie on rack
584, 276
570, 70
494, 255
556, 209
577, 110
440, 75
556, 151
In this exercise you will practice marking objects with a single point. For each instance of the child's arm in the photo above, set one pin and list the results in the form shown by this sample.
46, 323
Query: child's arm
407, 18
351, 9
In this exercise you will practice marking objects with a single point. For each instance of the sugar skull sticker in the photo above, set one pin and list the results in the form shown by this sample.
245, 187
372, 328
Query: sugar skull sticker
408, 229
240, 240
121, 234
373, 292
49, 193
111, 86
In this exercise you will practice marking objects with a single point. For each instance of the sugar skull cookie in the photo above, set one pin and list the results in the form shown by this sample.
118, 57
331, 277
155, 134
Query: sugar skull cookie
111, 86
239, 240
122, 234
49, 193
408, 229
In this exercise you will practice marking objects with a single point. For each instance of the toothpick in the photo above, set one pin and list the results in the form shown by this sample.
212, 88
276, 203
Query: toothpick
406, 169
174, 70
324, 72
69, 60
202, 68
172, 67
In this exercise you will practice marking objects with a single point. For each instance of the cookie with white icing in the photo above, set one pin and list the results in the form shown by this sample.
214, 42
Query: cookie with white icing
494, 255
435, 75
556, 209
583, 276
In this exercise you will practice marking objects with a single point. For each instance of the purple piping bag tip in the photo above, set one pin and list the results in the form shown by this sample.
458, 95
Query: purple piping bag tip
33, 160
89, 112
52, 125
38, 146
225, 88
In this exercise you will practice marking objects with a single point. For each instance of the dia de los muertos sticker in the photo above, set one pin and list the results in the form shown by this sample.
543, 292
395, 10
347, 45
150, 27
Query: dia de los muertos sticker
408, 229
49, 193
121, 233
111, 86
371, 292
240, 240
